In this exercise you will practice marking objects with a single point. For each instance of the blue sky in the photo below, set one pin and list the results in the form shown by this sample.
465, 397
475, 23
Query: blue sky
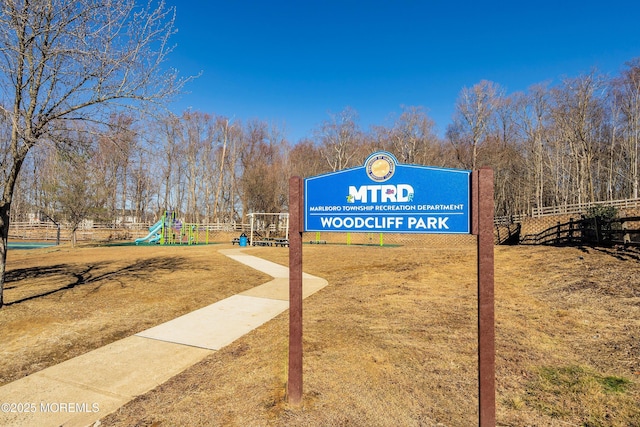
293, 63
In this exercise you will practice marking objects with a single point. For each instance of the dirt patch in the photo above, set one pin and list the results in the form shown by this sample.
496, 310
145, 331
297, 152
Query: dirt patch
390, 341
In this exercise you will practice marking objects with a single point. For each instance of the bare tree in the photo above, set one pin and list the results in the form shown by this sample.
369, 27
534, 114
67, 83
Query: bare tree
306, 160
117, 142
226, 136
197, 134
474, 111
340, 139
615, 154
412, 138
578, 114
169, 161
73, 186
532, 112
64, 61
231, 197
262, 162
142, 184
502, 152
627, 95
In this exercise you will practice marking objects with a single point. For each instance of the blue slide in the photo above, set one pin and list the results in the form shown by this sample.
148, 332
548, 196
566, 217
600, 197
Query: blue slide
154, 234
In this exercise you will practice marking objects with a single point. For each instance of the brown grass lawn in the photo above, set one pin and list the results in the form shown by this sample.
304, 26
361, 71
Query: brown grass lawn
391, 341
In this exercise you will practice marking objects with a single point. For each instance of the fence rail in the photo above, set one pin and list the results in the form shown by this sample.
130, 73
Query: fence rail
509, 219
581, 207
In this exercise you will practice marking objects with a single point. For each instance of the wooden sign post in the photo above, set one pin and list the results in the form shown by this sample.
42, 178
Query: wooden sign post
423, 200
482, 227
296, 228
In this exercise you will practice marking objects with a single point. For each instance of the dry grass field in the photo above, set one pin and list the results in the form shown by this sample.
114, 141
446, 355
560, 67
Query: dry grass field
391, 341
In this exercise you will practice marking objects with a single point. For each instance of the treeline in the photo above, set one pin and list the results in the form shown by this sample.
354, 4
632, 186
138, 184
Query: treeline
573, 142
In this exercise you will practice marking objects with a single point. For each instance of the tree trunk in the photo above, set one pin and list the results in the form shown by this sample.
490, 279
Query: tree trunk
4, 237
220, 177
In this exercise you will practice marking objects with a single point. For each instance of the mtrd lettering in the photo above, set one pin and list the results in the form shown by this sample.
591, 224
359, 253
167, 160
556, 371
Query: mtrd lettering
401, 193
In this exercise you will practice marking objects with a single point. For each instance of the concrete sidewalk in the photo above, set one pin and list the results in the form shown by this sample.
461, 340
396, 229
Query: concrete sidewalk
84, 389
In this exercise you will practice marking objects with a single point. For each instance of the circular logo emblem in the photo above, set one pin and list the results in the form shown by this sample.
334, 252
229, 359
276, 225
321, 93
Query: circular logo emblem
380, 167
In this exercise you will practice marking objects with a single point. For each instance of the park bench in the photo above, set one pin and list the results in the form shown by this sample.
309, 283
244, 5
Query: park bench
281, 242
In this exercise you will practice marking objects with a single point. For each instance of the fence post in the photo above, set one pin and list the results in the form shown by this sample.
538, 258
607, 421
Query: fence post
570, 230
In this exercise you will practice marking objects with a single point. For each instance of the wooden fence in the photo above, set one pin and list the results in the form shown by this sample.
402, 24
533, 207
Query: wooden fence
582, 207
598, 231
577, 208
48, 231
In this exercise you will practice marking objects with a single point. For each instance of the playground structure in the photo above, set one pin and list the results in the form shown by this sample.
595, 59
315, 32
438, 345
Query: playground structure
264, 229
267, 229
169, 230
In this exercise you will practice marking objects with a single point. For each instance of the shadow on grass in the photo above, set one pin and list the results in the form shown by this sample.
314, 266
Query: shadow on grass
156, 245
620, 252
88, 274
386, 245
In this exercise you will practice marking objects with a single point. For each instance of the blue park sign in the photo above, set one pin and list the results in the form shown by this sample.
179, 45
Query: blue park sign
384, 196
